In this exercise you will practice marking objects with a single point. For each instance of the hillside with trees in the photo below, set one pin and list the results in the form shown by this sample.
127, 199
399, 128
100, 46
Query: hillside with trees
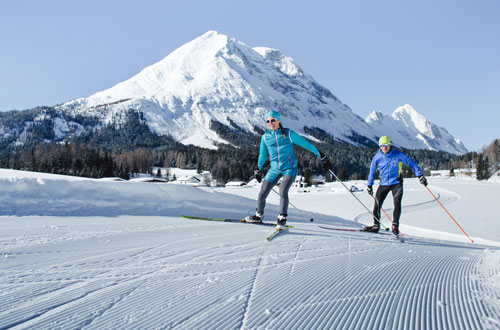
131, 147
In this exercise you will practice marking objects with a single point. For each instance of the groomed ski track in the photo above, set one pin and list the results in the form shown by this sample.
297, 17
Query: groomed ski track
173, 273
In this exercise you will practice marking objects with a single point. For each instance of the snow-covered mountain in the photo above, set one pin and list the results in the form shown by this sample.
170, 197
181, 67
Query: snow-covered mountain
409, 129
216, 78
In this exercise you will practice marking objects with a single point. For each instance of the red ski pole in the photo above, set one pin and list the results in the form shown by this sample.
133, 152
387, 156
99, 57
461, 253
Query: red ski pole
449, 214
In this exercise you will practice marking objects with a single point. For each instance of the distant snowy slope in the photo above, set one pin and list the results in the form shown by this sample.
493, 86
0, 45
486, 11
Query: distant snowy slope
409, 129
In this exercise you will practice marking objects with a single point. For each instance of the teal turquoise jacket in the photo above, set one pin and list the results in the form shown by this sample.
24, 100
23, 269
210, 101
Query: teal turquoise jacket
389, 166
280, 151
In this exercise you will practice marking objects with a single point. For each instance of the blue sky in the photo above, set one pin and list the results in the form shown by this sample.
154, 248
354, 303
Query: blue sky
440, 56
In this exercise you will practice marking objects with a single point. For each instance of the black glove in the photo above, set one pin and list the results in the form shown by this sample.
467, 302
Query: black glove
258, 175
325, 161
423, 180
369, 189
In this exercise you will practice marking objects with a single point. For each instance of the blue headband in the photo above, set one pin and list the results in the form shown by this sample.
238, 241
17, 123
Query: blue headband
274, 114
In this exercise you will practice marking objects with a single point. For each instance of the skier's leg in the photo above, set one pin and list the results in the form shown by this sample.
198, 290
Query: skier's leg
397, 195
265, 189
285, 185
380, 196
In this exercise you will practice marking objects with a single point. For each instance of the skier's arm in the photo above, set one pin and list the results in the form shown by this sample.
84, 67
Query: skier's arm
373, 171
410, 162
301, 142
263, 153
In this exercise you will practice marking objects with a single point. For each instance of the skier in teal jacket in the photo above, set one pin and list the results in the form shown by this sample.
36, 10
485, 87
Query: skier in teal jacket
388, 162
277, 144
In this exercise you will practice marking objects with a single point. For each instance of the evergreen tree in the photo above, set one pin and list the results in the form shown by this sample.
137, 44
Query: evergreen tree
482, 168
486, 173
308, 177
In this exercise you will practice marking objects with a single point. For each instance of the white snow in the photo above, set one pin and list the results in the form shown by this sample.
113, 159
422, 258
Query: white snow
99, 254
409, 129
216, 77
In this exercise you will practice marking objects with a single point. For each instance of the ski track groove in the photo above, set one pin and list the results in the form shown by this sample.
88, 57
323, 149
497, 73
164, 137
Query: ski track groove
358, 282
296, 256
422, 303
251, 291
50, 307
123, 291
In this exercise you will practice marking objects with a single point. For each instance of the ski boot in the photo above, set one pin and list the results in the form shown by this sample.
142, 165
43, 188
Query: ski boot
371, 229
281, 222
395, 229
257, 218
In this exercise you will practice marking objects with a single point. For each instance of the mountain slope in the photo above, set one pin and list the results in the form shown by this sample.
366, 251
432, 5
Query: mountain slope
409, 129
217, 78
215, 89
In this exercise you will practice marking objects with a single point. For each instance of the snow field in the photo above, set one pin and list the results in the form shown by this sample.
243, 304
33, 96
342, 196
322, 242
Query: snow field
178, 273
142, 266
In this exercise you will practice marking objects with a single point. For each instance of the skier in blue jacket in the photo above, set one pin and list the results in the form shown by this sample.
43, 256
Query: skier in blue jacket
277, 144
388, 162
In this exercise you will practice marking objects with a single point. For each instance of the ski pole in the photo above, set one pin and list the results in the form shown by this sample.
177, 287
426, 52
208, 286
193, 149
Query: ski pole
349, 190
311, 219
444, 208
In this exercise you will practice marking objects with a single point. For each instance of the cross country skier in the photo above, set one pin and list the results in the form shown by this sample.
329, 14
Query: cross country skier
277, 144
388, 162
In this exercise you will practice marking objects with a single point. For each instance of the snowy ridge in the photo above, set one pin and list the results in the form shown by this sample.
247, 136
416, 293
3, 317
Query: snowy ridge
218, 78
409, 129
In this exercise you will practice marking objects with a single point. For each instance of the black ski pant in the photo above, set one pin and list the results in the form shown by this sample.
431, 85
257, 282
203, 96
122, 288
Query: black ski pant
266, 188
397, 196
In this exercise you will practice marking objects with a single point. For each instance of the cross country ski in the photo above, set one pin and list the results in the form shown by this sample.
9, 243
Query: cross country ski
275, 233
360, 230
231, 220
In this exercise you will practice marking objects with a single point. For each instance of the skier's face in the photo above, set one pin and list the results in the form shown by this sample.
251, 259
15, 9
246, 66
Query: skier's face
272, 123
385, 148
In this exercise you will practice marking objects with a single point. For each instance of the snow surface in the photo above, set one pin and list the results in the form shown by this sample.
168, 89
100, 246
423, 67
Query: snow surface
99, 254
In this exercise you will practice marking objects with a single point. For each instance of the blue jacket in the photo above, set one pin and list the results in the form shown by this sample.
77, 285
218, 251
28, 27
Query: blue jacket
280, 151
389, 165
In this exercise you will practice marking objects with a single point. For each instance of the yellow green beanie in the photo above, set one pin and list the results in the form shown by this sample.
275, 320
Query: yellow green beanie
384, 140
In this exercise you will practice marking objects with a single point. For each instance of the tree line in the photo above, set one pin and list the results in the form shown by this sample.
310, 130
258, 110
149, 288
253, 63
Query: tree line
128, 148
225, 164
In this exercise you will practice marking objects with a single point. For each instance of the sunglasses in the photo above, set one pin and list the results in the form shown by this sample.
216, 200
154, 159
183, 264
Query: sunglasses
271, 121
384, 145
